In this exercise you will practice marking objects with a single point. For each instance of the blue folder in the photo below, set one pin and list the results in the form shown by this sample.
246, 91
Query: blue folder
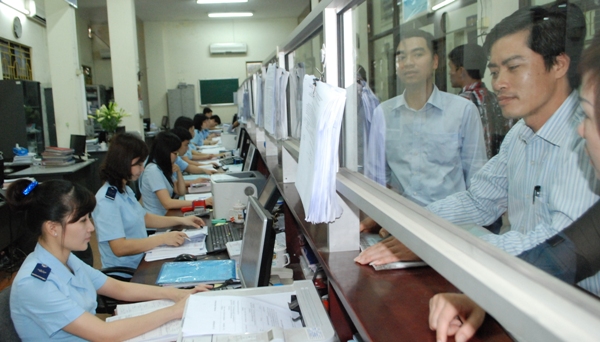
190, 273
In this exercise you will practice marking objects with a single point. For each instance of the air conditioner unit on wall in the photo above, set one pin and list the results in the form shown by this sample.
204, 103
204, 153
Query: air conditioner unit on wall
227, 48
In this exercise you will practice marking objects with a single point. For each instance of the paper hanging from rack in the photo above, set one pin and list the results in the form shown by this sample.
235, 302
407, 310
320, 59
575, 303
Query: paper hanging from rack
322, 113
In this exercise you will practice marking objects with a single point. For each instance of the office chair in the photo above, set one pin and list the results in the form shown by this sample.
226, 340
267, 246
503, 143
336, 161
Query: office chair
107, 305
9, 334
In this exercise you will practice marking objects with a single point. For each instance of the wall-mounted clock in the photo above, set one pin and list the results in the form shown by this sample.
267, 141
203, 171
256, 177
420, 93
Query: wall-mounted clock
17, 28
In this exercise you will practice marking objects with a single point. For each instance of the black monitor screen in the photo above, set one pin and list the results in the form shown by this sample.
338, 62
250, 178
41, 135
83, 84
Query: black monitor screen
165, 122
78, 144
257, 246
270, 195
250, 159
241, 138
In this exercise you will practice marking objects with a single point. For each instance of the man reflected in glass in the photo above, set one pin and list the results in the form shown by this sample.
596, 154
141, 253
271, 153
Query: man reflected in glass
466, 65
424, 144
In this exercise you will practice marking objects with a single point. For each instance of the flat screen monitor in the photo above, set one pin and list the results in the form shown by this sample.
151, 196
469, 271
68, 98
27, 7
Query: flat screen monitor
250, 159
165, 122
270, 195
257, 246
78, 145
242, 136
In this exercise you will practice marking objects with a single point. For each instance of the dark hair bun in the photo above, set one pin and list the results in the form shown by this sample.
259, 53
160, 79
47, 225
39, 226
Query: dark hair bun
15, 197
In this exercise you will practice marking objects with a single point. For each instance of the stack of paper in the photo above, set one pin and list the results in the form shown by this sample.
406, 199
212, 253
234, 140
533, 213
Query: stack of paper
322, 113
235, 315
195, 246
275, 102
166, 332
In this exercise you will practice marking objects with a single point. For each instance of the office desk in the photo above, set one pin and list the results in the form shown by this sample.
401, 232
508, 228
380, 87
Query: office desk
79, 173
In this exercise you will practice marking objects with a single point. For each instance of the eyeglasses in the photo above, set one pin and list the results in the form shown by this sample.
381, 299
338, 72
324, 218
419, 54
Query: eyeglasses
175, 153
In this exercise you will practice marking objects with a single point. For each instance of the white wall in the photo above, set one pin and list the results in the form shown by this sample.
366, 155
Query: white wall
178, 52
34, 36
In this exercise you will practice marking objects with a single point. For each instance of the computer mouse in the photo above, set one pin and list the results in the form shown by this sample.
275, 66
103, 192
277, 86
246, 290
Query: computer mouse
185, 257
216, 167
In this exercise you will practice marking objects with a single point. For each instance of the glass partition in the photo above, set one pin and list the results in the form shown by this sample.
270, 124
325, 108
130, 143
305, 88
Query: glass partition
438, 90
304, 60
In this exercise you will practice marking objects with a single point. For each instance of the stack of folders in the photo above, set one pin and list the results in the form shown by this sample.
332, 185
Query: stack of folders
194, 245
191, 273
322, 113
166, 332
57, 156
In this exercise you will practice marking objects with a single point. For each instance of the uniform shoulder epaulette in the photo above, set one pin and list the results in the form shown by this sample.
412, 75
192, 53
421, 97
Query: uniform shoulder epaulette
41, 272
111, 192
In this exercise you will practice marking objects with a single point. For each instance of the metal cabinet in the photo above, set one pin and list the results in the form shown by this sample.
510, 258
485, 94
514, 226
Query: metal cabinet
21, 116
181, 102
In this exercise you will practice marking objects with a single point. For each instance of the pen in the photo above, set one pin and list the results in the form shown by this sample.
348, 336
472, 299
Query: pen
536, 192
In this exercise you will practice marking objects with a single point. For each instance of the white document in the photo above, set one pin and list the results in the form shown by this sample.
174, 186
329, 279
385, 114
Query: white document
195, 245
195, 197
282, 129
270, 99
322, 113
215, 315
166, 332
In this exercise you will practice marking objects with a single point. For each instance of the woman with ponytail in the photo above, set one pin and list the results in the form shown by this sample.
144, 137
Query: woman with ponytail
53, 296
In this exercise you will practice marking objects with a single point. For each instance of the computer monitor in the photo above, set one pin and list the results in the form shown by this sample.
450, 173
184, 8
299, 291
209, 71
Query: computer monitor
270, 195
165, 122
242, 136
78, 143
257, 246
245, 145
250, 159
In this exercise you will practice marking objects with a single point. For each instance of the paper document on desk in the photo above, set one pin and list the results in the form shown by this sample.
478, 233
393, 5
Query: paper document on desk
369, 239
194, 177
196, 245
195, 197
166, 332
322, 113
216, 315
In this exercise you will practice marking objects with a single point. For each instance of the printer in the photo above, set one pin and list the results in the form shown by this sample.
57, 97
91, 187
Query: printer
229, 188
316, 324
229, 140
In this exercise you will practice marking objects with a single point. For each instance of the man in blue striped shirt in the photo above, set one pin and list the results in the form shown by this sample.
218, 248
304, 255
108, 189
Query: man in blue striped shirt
541, 175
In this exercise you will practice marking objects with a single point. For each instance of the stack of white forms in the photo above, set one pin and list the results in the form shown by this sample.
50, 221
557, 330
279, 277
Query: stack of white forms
322, 113
166, 332
275, 110
195, 246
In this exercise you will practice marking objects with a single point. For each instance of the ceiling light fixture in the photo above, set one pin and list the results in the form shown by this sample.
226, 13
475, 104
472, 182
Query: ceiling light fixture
230, 14
219, 1
442, 4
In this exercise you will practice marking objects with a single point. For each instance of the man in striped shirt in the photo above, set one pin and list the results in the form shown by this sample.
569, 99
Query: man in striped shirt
541, 174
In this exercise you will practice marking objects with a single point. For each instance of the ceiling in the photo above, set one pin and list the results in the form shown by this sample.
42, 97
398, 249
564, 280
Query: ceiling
189, 10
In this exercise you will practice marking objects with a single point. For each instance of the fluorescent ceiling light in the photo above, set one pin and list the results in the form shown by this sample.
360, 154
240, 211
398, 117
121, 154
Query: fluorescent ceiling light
230, 14
442, 4
218, 1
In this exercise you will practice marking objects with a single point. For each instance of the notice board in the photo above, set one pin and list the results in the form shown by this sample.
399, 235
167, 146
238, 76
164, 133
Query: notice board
218, 91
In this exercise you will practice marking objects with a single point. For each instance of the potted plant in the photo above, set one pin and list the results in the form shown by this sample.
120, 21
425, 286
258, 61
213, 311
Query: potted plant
109, 117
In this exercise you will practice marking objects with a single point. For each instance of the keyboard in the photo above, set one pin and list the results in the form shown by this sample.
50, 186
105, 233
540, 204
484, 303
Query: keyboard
219, 235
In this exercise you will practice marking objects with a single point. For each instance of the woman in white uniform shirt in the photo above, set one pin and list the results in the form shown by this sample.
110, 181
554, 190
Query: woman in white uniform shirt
53, 297
119, 218
162, 181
